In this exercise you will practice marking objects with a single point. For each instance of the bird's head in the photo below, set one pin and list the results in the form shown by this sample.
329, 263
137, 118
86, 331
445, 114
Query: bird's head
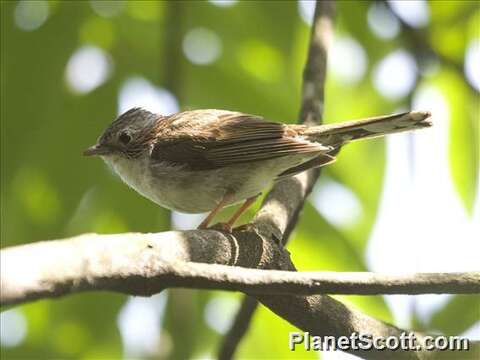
129, 136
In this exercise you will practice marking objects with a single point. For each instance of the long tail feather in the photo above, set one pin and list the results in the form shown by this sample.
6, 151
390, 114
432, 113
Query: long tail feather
341, 133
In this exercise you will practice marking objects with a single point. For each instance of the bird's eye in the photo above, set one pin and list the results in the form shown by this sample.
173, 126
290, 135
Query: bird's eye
124, 138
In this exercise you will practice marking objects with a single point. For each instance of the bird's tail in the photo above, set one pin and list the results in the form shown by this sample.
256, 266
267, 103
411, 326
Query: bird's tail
338, 134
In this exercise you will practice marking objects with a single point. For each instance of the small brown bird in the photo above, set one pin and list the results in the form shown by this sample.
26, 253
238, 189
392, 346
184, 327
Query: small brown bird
203, 160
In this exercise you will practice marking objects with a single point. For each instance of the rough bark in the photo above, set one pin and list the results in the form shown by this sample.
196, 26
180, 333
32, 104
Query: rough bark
145, 264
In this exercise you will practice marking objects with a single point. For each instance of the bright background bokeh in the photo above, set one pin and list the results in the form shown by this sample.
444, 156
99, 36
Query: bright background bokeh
408, 203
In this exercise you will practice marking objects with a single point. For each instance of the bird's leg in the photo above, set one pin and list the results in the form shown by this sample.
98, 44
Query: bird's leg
226, 198
242, 209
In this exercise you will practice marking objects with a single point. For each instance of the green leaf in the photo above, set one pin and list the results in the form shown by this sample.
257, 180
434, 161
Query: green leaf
80, 326
268, 338
464, 135
183, 320
458, 315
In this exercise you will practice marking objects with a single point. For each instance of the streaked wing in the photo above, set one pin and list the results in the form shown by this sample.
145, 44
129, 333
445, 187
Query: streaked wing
215, 139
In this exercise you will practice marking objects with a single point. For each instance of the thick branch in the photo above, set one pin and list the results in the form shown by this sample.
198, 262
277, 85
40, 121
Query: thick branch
135, 264
121, 262
144, 264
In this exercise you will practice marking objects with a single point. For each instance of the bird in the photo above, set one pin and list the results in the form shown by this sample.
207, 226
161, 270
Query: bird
200, 161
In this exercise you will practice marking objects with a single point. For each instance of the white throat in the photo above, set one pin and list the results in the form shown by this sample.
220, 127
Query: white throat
134, 172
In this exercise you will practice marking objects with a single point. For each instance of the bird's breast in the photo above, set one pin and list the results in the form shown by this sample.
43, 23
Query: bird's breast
133, 172
170, 186
195, 191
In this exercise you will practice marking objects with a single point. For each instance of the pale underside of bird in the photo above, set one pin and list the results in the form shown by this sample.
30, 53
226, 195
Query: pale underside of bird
203, 160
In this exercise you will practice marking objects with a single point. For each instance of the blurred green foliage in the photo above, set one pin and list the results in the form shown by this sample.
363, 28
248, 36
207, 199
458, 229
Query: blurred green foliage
50, 191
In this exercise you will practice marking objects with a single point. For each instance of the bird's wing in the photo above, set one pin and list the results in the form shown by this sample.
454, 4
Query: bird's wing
209, 139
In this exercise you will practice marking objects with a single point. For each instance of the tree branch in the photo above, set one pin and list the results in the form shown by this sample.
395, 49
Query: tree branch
311, 112
135, 264
239, 328
144, 264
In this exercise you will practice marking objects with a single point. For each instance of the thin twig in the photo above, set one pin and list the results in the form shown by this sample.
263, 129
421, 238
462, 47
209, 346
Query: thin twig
239, 328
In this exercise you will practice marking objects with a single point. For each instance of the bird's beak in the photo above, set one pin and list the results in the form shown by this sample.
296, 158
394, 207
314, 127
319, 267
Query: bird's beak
97, 150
